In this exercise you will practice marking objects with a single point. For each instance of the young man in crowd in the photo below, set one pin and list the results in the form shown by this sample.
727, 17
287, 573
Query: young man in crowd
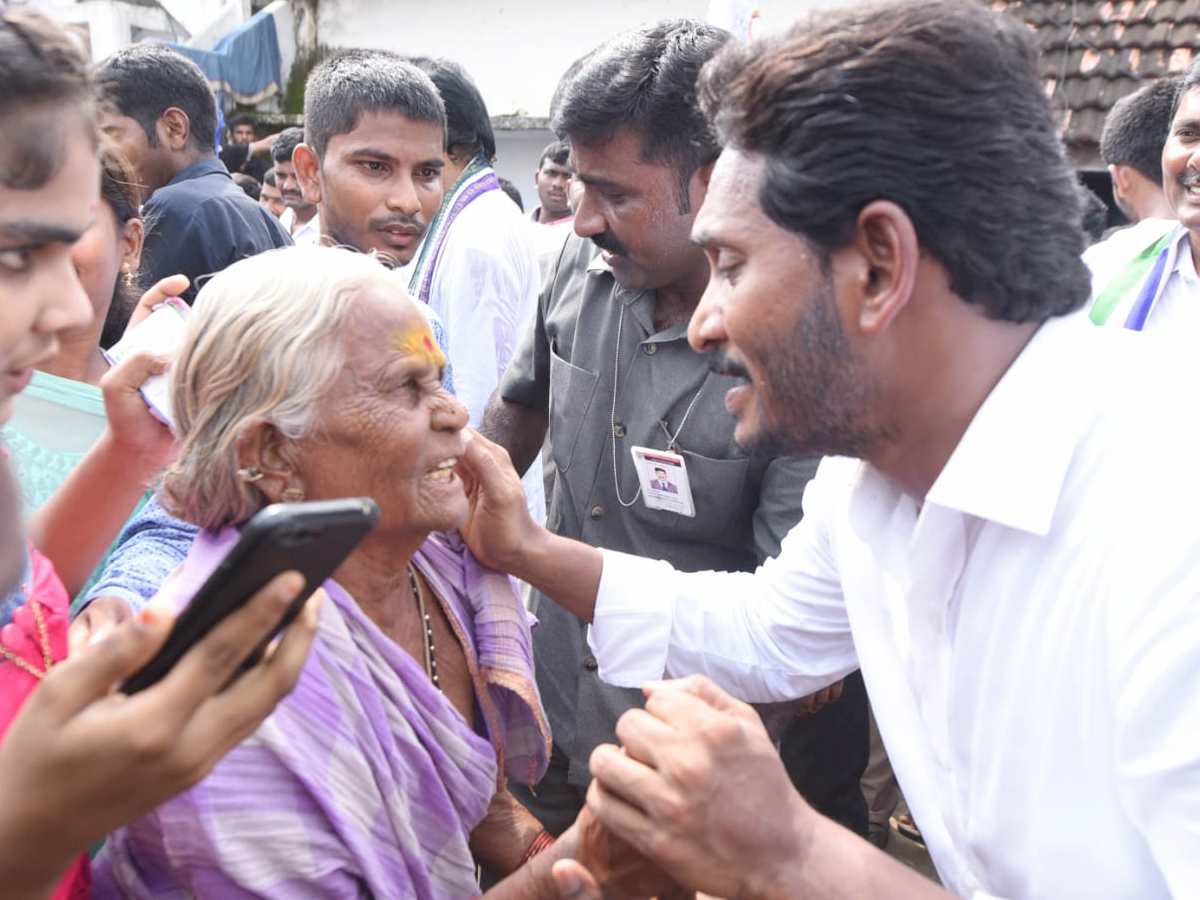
301, 217
1131, 145
157, 107
552, 218
243, 152
269, 196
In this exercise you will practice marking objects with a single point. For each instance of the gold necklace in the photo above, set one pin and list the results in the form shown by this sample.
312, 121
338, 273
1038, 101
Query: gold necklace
430, 652
43, 640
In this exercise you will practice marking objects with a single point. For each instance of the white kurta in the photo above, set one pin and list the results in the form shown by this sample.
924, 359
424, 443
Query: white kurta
485, 290
1029, 634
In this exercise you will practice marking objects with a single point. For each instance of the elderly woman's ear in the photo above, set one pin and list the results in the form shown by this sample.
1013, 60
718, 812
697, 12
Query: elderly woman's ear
265, 460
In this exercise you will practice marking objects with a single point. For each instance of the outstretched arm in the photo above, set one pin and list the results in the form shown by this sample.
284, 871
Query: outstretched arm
501, 534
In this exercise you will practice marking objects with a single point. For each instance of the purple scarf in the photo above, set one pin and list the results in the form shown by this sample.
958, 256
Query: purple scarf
365, 781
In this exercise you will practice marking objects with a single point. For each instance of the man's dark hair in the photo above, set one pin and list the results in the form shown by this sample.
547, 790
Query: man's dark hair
269, 177
248, 183
1188, 80
347, 84
1137, 126
143, 80
285, 142
557, 152
644, 80
240, 119
468, 125
513, 194
41, 69
936, 106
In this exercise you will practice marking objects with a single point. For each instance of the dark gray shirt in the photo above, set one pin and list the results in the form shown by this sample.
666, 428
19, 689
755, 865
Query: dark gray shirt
744, 505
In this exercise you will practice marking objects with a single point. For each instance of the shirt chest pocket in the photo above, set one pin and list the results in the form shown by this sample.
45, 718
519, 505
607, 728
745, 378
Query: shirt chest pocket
571, 393
724, 500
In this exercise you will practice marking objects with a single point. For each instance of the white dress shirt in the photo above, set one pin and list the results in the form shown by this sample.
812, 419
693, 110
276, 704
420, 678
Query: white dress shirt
1029, 635
308, 233
1175, 315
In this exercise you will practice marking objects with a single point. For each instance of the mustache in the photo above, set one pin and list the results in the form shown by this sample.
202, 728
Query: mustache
606, 241
1190, 179
413, 222
724, 363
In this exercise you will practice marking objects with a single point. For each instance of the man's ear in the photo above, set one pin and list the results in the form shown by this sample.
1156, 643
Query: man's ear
886, 243
264, 458
132, 236
308, 172
1120, 179
174, 128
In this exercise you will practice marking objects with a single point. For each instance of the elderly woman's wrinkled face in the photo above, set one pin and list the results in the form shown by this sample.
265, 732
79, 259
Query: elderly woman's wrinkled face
389, 430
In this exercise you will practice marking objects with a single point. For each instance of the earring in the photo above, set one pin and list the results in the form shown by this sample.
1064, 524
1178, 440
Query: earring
250, 474
292, 495
128, 276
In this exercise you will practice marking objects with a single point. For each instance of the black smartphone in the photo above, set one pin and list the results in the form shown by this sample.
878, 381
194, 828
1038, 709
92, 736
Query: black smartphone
311, 538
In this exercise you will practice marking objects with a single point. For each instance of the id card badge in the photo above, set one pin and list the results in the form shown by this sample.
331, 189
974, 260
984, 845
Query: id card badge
664, 479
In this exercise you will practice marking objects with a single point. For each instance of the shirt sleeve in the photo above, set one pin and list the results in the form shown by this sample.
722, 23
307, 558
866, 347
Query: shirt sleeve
1155, 671
148, 548
778, 633
527, 378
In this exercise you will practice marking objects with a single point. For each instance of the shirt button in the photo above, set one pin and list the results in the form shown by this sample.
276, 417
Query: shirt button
619, 430
590, 664
649, 349
597, 512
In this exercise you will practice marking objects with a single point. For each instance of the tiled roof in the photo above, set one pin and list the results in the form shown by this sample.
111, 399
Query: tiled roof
1094, 52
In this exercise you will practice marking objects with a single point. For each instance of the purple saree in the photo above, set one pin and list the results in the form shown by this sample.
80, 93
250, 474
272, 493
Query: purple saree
365, 781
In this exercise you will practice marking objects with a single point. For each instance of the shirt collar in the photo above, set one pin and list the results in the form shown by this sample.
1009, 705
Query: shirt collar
209, 165
1011, 463
1184, 266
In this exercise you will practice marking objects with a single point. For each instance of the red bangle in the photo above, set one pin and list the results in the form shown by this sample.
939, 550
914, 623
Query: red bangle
540, 843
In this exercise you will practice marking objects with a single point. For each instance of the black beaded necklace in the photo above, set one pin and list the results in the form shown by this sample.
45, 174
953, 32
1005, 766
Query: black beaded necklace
430, 652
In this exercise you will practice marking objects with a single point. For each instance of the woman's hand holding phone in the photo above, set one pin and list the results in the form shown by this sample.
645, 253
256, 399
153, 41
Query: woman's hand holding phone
81, 759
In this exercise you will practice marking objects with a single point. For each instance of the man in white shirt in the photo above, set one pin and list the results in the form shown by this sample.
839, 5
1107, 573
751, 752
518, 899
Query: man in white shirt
302, 217
894, 235
1131, 145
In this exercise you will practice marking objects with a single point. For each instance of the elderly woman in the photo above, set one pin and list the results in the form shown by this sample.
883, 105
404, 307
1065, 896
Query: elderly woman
307, 373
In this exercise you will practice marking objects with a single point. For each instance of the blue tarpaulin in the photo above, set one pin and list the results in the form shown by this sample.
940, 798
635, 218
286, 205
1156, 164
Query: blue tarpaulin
245, 63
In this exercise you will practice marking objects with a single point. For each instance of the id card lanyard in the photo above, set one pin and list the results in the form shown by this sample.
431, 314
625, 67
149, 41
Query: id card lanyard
672, 444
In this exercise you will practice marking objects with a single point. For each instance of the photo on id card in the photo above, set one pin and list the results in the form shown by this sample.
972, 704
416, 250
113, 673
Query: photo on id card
664, 479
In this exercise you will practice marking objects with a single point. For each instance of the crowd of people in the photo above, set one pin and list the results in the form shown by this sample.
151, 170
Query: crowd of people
849, 439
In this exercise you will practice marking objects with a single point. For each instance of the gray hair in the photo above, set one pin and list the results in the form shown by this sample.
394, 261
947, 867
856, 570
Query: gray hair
260, 344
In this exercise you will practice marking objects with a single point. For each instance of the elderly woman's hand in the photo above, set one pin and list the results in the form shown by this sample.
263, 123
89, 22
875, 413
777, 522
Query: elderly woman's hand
499, 524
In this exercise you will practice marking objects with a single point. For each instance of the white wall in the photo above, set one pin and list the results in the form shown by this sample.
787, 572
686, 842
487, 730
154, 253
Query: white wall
514, 50
517, 155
